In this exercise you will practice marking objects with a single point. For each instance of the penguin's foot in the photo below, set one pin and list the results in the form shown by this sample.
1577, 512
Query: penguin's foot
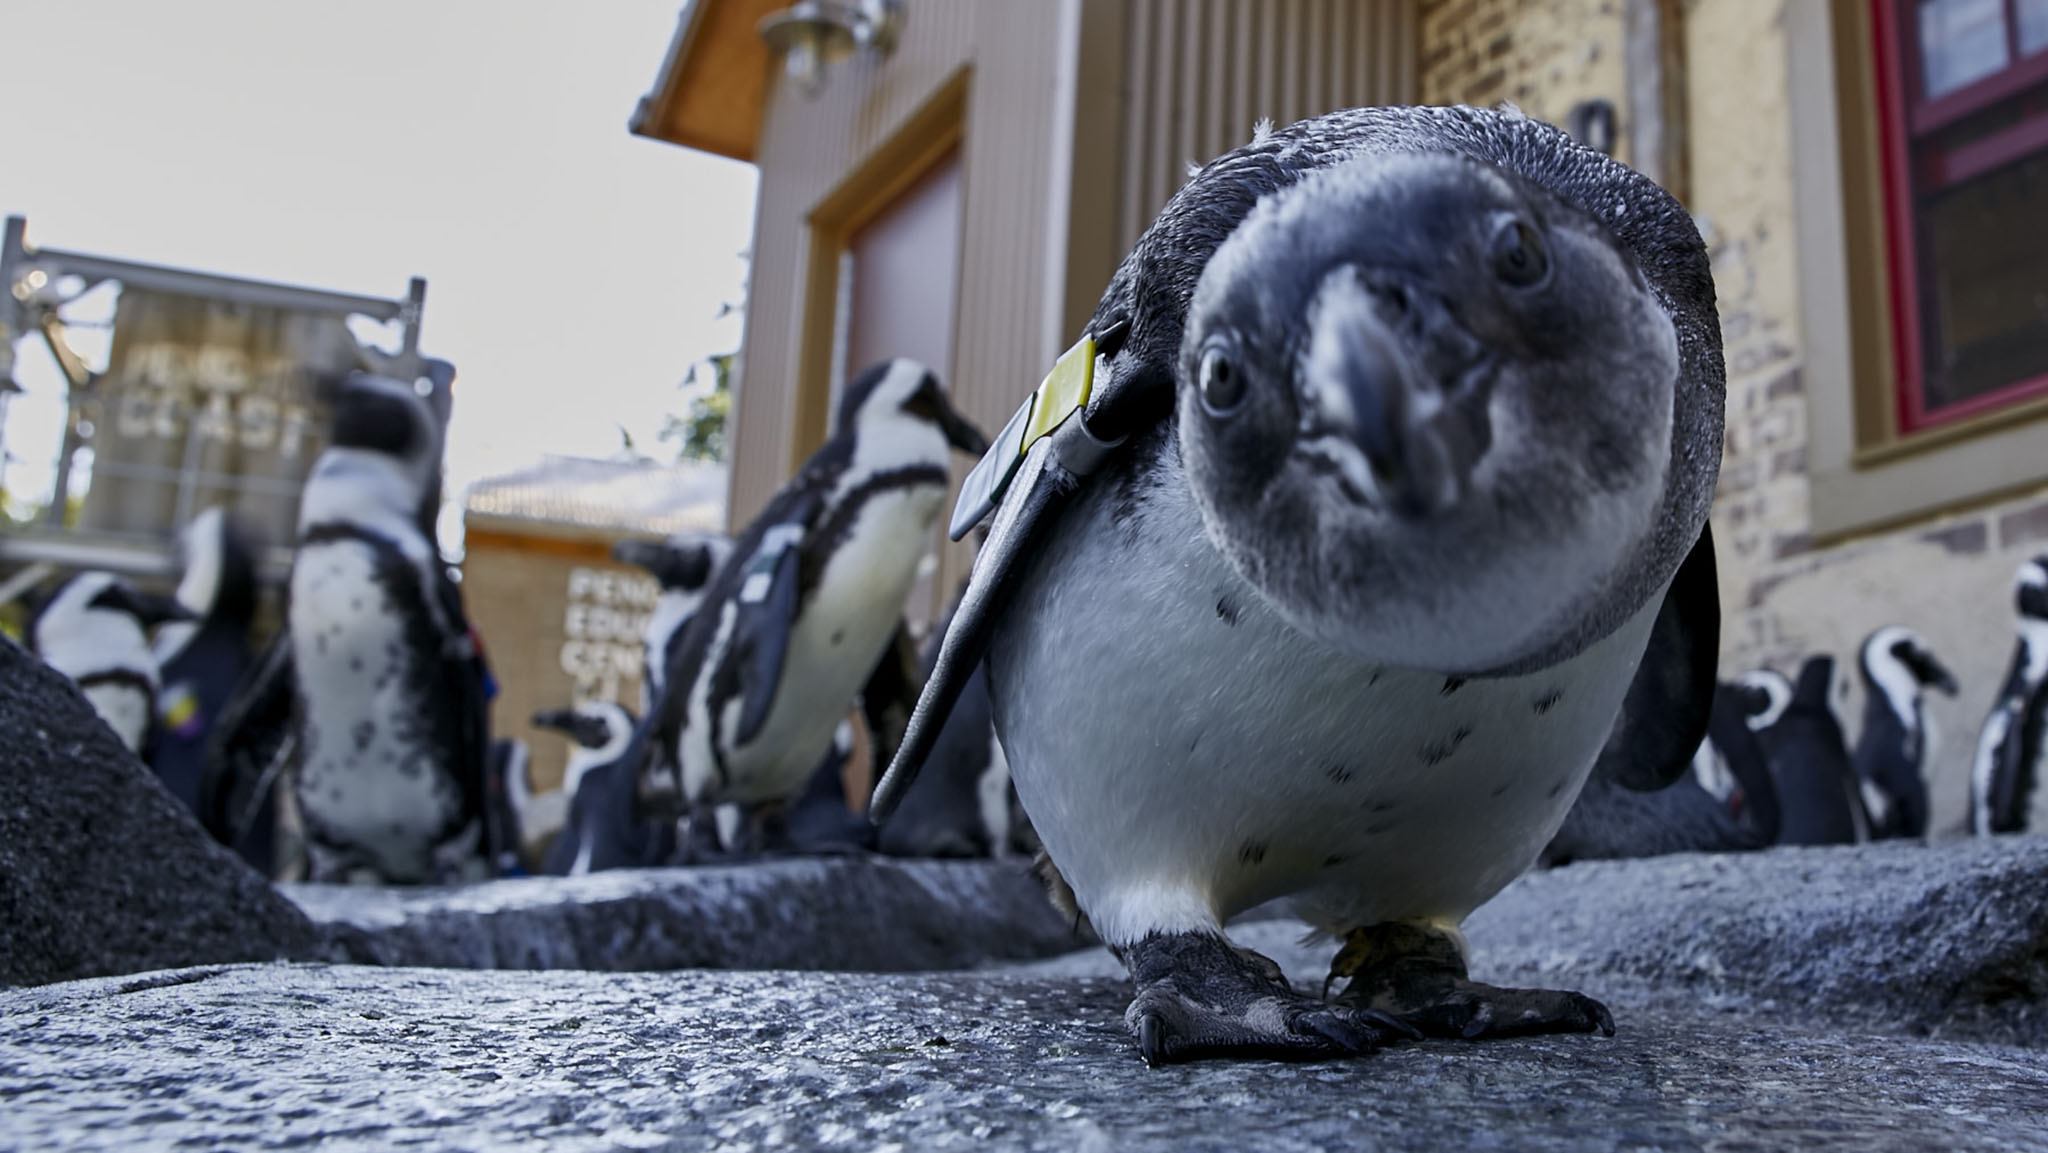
1200, 996
1416, 974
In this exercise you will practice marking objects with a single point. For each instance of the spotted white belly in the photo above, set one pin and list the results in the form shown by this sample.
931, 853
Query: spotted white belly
368, 776
839, 634
1184, 754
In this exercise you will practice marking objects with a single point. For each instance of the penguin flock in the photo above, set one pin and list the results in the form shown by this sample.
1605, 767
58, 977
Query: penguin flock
1356, 556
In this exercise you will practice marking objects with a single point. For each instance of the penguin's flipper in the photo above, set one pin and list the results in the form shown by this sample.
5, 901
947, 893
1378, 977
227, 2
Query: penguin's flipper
767, 612
1664, 717
247, 744
1086, 409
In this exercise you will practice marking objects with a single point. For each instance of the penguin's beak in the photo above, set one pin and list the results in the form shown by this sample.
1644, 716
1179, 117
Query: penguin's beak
1412, 447
960, 432
154, 609
1932, 672
585, 731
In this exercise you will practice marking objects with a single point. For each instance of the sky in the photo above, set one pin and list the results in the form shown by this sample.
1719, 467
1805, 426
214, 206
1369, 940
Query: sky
574, 271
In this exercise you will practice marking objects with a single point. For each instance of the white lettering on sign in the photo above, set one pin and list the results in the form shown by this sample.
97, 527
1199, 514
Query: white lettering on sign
601, 629
258, 422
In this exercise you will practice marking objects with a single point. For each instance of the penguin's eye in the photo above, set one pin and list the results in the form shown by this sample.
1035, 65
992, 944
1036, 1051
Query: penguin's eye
1518, 256
1221, 382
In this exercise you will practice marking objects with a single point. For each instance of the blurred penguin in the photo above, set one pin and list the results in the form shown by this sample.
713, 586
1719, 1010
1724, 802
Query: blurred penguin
95, 630
602, 830
1818, 799
507, 797
1897, 741
2005, 781
205, 658
682, 566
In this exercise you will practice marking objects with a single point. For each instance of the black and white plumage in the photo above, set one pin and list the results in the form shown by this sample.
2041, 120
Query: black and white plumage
1818, 799
508, 796
603, 831
682, 567
2006, 795
381, 679
1726, 803
202, 660
95, 630
1420, 416
1898, 738
1770, 694
797, 620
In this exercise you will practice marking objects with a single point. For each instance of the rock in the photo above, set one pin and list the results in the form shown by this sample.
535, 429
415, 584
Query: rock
103, 871
272, 1056
848, 913
1950, 938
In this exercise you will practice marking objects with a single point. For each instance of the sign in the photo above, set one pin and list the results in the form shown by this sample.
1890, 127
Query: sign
601, 629
222, 399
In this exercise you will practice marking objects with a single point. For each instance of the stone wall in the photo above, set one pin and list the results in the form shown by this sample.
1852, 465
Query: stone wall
1783, 597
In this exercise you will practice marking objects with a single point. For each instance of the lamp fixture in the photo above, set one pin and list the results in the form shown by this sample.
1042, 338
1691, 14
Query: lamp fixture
811, 34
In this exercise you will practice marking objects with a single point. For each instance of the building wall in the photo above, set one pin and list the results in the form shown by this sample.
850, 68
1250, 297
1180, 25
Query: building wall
544, 606
1783, 595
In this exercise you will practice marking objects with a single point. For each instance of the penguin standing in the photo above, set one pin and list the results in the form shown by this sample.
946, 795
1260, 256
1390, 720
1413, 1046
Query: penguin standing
795, 623
682, 567
205, 658
1818, 798
95, 630
602, 831
387, 687
1726, 803
1367, 521
507, 797
2005, 780
1897, 741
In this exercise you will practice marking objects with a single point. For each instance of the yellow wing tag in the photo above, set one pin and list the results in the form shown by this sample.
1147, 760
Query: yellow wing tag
1064, 390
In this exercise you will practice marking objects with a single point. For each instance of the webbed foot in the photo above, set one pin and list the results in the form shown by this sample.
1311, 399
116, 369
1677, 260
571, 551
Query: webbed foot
1416, 974
1200, 996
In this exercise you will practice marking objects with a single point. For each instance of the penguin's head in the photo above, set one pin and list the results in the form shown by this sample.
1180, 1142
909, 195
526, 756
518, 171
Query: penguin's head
385, 449
685, 562
900, 389
1899, 662
2030, 592
97, 620
1764, 694
590, 725
1426, 407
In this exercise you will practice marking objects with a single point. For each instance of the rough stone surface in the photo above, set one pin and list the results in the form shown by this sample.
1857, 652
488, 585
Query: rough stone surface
103, 871
836, 913
269, 1056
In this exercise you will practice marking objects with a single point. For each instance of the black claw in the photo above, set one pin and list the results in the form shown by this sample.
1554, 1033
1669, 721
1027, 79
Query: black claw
1353, 1038
1152, 1040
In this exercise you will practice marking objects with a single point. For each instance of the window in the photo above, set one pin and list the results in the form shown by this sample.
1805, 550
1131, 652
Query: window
1963, 143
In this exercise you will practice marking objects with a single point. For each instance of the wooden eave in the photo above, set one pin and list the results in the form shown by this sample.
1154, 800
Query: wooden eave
713, 82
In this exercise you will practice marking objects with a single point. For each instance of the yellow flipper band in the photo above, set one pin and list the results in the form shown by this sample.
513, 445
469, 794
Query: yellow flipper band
1063, 391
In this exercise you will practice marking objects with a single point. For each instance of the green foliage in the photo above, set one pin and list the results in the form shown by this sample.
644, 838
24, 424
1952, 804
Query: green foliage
700, 432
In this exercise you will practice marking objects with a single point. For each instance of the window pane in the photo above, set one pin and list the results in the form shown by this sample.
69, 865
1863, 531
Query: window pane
2033, 16
1961, 42
1986, 277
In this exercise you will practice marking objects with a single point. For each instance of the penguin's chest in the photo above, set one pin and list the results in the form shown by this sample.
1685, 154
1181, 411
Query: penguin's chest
370, 770
126, 706
1184, 754
839, 633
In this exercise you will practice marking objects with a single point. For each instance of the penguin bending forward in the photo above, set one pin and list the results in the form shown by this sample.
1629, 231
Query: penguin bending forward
95, 630
1370, 522
378, 670
798, 619
2005, 780
1897, 741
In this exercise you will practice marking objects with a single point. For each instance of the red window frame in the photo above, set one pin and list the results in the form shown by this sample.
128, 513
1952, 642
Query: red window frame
1904, 119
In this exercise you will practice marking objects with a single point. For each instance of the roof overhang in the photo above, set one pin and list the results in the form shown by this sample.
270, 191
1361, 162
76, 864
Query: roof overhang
714, 80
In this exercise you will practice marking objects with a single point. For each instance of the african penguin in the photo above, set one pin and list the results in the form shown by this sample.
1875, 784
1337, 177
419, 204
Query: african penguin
508, 794
1818, 799
602, 831
95, 630
682, 566
1771, 694
391, 700
1898, 739
203, 659
1726, 803
2005, 780
797, 620
1372, 523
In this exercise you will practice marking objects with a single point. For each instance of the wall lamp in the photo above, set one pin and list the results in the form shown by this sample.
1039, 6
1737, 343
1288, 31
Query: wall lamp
811, 34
